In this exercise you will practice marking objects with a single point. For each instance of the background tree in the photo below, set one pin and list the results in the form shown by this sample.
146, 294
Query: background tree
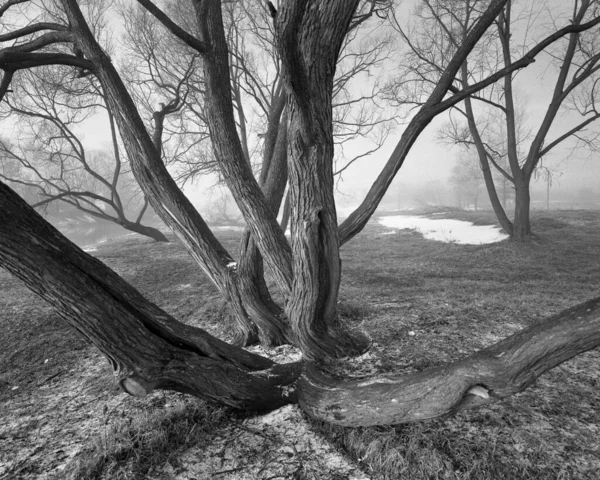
577, 62
149, 349
47, 106
467, 182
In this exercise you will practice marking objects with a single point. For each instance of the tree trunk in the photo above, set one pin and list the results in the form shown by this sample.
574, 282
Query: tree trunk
309, 38
501, 370
488, 178
148, 349
522, 224
269, 320
153, 233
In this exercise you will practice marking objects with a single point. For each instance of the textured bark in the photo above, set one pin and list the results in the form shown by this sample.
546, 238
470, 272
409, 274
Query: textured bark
167, 200
263, 314
522, 223
228, 150
506, 368
309, 37
147, 348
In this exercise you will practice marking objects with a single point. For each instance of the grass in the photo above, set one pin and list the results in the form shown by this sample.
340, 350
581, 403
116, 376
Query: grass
455, 298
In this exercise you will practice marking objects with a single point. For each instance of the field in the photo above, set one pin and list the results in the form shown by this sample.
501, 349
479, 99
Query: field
423, 303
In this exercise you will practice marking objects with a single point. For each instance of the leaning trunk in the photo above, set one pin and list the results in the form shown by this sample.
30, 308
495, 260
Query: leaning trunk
147, 348
151, 232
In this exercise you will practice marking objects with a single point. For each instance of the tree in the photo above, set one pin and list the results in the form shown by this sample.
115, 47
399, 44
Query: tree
147, 348
510, 150
466, 179
49, 158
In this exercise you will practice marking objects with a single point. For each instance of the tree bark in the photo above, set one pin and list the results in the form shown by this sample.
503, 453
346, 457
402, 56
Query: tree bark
309, 38
522, 222
148, 349
494, 373
268, 318
228, 150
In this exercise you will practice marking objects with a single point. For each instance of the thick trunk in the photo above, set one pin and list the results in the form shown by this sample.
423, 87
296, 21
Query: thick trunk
153, 233
522, 223
309, 56
506, 368
147, 348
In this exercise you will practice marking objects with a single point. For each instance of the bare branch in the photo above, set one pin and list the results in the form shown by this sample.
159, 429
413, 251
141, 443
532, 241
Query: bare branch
175, 29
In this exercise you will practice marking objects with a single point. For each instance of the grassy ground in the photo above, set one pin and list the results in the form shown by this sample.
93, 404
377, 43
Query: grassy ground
455, 298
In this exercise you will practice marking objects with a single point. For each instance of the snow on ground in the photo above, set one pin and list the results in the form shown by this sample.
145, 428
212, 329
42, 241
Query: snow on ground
280, 444
227, 228
446, 230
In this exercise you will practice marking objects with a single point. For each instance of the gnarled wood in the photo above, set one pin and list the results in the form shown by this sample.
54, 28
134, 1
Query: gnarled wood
147, 348
309, 38
496, 372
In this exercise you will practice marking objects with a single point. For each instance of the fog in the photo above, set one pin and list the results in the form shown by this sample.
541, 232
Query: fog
426, 178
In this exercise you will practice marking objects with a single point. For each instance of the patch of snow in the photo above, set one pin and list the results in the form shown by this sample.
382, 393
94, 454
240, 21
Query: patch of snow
90, 249
89, 218
232, 265
282, 440
446, 230
281, 354
228, 228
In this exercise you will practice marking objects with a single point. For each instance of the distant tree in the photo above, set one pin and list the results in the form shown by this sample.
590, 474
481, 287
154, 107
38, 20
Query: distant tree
47, 156
575, 89
467, 181
149, 349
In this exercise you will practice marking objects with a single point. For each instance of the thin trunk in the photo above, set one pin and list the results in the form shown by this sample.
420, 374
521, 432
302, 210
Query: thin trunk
521, 226
145, 230
228, 150
165, 197
488, 178
267, 317
357, 220
148, 349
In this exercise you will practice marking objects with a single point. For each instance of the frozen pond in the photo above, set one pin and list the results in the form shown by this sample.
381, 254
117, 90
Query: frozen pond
446, 230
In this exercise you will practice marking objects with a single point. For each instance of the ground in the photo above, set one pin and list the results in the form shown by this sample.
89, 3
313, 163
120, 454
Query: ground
423, 303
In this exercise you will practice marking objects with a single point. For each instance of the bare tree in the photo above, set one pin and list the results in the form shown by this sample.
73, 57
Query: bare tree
149, 349
575, 89
467, 182
47, 107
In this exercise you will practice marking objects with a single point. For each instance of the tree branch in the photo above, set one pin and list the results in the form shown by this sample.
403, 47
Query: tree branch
175, 29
